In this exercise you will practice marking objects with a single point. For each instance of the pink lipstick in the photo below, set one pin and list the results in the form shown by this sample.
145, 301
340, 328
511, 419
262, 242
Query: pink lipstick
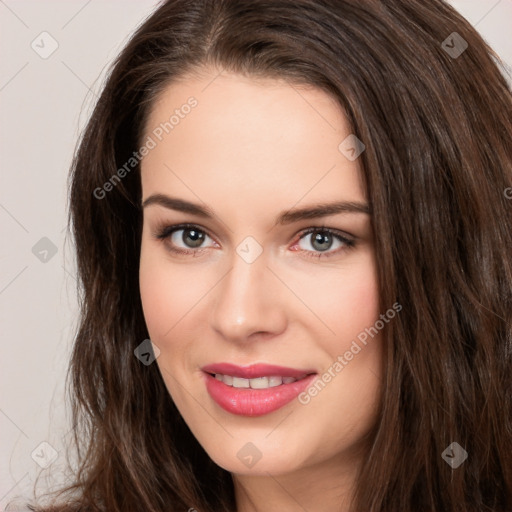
257, 389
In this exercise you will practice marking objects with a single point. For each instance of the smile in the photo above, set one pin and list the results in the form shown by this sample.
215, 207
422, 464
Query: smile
257, 383
254, 390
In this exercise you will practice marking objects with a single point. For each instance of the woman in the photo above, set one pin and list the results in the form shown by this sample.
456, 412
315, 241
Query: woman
305, 206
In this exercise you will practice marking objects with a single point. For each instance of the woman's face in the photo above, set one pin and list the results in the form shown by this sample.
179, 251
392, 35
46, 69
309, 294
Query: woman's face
246, 285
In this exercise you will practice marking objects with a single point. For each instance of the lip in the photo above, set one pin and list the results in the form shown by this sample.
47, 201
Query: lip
254, 371
255, 402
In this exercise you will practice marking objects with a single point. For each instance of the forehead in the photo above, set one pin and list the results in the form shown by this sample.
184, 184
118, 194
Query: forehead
249, 140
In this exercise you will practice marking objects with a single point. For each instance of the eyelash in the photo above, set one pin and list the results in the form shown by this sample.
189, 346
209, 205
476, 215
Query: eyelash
166, 231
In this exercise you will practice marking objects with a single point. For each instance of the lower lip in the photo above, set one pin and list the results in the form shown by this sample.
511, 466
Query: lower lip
254, 402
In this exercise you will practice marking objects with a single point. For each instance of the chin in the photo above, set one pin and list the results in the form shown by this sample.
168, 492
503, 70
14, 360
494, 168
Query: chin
255, 455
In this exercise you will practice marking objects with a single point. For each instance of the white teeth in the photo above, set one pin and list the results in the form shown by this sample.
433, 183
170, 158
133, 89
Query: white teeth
257, 383
274, 381
240, 383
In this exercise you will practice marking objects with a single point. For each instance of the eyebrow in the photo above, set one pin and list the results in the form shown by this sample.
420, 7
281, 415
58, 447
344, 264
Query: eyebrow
285, 217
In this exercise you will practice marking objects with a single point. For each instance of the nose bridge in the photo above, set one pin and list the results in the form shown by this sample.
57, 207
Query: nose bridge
247, 300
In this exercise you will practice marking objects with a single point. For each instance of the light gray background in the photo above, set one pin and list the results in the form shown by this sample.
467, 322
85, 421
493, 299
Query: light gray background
43, 105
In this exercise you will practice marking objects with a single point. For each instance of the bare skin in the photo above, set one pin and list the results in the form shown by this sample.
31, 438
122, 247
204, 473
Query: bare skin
251, 150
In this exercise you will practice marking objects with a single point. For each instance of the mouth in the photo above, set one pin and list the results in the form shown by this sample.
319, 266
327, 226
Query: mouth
257, 383
254, 390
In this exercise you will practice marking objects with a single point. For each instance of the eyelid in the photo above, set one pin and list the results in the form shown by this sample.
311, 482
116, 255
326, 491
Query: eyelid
333, 231
169, 228
349, 241
164, 231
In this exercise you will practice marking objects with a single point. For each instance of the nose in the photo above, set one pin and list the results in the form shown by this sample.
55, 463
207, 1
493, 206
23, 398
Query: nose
248, 302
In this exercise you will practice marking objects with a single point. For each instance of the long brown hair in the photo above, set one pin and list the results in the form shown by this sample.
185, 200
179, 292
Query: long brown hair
435, 119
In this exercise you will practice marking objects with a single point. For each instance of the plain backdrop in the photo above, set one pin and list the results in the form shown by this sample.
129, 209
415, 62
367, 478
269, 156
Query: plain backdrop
54, 58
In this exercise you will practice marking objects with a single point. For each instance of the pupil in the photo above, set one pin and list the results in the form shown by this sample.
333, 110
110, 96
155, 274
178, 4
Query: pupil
196, 236
323, 239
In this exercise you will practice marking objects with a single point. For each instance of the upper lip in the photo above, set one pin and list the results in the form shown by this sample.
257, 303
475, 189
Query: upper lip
254, 371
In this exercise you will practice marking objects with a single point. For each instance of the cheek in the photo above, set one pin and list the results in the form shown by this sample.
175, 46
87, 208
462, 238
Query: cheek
162, 292
157, 298
352, 370
358, 305
168, 291
347, 301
